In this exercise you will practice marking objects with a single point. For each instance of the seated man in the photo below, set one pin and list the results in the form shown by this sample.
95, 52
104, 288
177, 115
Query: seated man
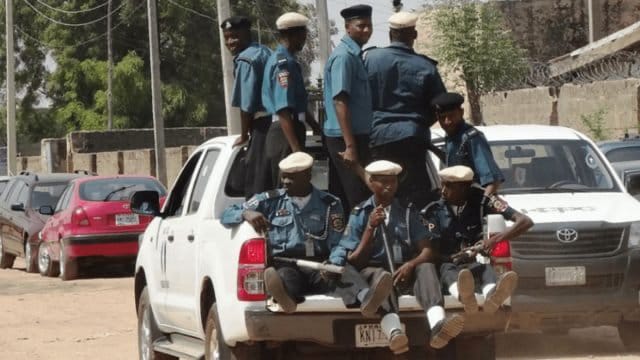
455, 224
409, 251
302, 222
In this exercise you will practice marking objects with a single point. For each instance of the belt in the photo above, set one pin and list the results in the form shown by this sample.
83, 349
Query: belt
260, 114
300, 117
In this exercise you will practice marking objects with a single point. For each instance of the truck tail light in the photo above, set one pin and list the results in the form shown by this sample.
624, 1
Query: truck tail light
501, 257
251, 266
79, 217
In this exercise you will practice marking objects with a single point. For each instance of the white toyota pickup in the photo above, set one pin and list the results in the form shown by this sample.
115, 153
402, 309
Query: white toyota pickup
199, 290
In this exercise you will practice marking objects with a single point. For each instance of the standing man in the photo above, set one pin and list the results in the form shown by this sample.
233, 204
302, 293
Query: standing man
411, 254
249, 60
284, 94
455, 223
466, 145
347, 100
403, 83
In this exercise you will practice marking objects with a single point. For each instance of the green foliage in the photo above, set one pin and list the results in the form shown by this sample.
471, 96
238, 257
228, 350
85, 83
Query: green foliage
595, 122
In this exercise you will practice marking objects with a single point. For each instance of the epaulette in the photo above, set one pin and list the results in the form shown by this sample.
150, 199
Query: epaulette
245, 59
282, 60
274, 193
355, 210
329, 199
430, 207
434, 62
366, 51
471, 132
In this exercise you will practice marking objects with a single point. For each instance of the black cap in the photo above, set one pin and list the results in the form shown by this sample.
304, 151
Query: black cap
236, 22
447, 102
356, 11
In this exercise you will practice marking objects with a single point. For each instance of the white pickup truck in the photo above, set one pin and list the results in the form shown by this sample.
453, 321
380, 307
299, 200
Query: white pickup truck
199, 290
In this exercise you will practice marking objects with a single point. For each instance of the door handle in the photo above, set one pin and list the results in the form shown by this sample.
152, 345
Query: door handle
191, 237
170, 238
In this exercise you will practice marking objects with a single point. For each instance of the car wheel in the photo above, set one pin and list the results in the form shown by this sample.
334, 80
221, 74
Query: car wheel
216, 349
68, 267
31, 261
6, 259
629, 332
46, 266
148, 331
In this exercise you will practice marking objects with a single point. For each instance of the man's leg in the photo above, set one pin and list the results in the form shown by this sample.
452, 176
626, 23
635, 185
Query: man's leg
496, 293
461, 285
354, 188
354, 289
277, 148
286, 285
257, 176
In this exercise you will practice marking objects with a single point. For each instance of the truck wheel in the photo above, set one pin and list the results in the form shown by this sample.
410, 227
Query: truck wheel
148, 331
6, 259
629, 332
46, 266
68, 267
216, 349
30, 257
476, 347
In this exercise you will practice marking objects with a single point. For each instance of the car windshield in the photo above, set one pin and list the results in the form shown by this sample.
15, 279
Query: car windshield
551, 166
46, 194
119, 189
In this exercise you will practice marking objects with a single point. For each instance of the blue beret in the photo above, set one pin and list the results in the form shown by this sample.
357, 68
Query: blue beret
356, 11
447, 102
236, 22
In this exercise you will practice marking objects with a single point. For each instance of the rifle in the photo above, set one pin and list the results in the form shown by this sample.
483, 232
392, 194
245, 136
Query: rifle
387, 249
314, 265
468, 251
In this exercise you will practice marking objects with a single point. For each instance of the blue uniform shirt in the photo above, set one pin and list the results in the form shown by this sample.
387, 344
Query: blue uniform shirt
248, 72
450, 232
345, 72
470, 148
402, 85
283, 85
404, 228
322, 218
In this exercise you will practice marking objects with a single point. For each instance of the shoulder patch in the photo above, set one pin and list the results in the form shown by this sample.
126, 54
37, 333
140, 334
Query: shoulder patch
497, 203
337, 222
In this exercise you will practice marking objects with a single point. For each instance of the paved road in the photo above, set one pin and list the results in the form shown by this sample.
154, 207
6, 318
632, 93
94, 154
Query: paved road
94, 318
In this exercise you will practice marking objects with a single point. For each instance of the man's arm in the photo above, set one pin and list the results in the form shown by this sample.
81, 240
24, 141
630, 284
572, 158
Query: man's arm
288, 127
521, 224
361, 255
343, 113
405, 271
245, 123
486, 168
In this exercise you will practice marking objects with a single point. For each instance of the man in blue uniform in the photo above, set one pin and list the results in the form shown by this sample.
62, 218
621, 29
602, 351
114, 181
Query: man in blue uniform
455, 224
347, 100
403, 83
466, 145
249, 60
284, 94
303, 222
410, 249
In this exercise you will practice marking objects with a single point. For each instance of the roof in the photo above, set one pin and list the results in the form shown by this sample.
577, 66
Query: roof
107, 177
618, 144
48, 178
522, 132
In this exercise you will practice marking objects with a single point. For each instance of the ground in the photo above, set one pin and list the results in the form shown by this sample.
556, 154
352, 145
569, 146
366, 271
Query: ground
94, 318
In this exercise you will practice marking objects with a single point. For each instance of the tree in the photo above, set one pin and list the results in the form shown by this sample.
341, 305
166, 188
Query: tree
471, 39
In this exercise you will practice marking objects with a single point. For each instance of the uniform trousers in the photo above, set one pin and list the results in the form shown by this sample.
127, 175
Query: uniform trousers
257, 177
354, 189
483, 274
277, 148
424, 285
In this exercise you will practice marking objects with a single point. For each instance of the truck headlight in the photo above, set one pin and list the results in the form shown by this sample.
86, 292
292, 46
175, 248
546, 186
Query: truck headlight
634, 234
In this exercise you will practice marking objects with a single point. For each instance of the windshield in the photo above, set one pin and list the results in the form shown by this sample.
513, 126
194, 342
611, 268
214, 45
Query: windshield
117, 189
46, 194
551, 166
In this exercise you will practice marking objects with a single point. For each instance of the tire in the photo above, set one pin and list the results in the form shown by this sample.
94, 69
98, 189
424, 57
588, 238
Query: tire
476, 347
215, 348
6, 259
31, 261
148, 331
629, 333
46, 266
68, 267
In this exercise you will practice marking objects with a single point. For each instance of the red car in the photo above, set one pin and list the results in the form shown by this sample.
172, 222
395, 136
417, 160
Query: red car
92, 222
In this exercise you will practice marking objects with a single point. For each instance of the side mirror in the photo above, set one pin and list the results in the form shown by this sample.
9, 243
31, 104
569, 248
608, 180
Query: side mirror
46, 210
633, 184
145, 203
17, 207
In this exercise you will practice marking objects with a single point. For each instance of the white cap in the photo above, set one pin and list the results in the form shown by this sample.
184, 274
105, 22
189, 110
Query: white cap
296, 162
291, 20
403, 19
458, 173
383, 167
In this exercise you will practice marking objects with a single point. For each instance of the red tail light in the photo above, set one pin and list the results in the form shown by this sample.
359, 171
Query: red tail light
251, 265
79, 217
501, 257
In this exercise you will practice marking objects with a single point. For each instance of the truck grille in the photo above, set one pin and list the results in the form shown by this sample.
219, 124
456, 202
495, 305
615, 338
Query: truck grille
590, 242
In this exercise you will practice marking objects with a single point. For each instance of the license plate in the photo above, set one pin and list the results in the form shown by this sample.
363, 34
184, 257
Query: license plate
565, 276
127, 219
371, 335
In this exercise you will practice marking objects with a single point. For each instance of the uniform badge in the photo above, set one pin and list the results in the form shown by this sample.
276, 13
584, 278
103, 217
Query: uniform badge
282, 212
498, 204
337, 222
283, 78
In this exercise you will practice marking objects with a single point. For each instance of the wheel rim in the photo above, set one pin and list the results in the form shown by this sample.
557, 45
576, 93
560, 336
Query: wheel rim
144, 334
214, 351
43, 259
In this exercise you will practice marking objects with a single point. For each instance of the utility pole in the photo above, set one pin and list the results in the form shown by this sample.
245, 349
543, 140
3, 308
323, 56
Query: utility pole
156, 95
233, 115
12, 149
594, 9
323, 32
110, 74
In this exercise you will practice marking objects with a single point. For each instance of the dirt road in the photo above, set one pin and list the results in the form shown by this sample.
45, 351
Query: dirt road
94, 318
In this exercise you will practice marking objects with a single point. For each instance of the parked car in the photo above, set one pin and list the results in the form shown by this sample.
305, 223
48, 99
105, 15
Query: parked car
20, 220
629, 172
621, 150
93, 222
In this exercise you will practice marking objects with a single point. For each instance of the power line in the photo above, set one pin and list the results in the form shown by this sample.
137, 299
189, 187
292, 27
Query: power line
72, 11
193, 11
72, 24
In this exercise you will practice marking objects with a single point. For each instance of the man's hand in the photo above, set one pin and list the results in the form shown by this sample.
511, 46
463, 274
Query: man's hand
257, 220
377, 217
349, 156
403, 274
494, 239
241, 140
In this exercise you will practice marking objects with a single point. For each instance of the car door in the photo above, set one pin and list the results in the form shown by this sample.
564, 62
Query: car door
54, 229
12, 231
182, 300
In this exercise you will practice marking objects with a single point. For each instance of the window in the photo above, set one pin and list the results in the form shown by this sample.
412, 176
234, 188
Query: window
117, 189
3, 186
16, 191
202, 179
633, 184
46, 194
175, 202
64, 199
624, 154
